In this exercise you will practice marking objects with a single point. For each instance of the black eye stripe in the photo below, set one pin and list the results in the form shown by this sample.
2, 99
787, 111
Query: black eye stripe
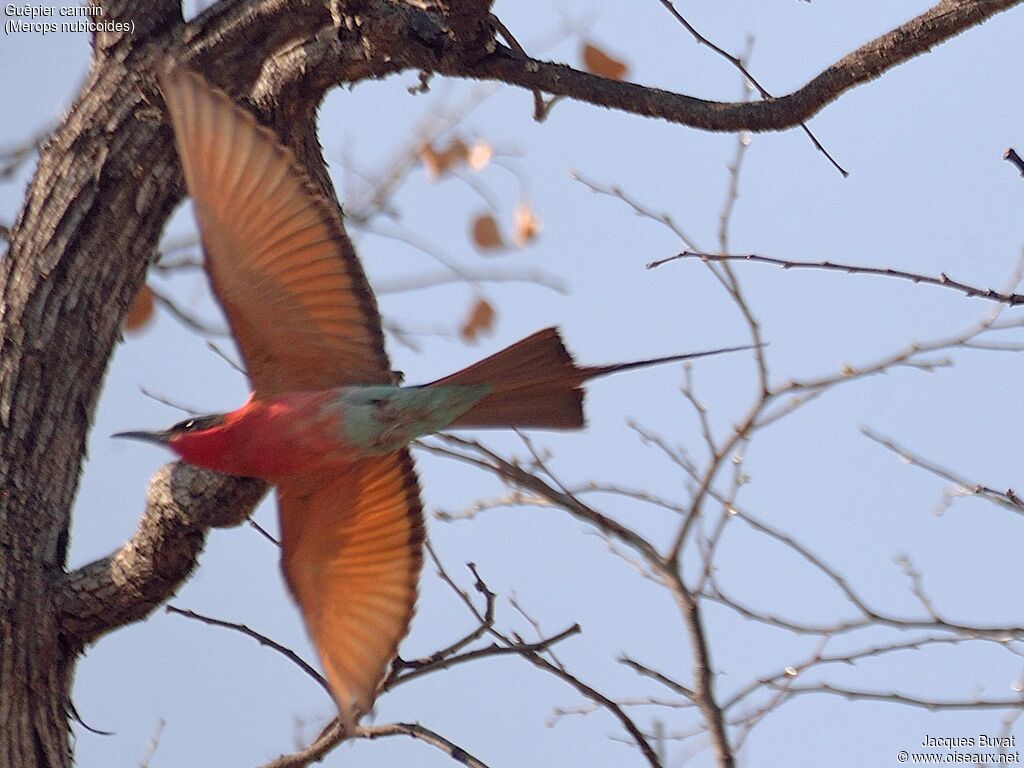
198, 423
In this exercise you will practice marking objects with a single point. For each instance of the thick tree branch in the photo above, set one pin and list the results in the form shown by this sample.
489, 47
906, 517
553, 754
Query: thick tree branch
394, 38
183, 503
469, 23
919, 35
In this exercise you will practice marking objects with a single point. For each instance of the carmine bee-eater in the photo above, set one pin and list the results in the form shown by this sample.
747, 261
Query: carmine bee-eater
325, 423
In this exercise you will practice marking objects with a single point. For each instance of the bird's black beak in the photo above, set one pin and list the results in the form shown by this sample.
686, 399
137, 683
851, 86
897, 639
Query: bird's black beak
160, 438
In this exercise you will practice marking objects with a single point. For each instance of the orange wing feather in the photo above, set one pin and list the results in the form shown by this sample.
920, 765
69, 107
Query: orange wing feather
276, 250
352, 543
305, 319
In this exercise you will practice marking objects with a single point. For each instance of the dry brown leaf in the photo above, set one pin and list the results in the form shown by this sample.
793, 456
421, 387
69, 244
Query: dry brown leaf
480, 320
485, 233
140, 314
527, 224
438, 163
597, 62
479, 155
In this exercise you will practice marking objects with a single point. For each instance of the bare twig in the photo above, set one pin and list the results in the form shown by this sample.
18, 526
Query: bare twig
625, 720
258, 637
232, 363
906, 700
916, 584
417, 731
154, 743
1007, 499
541, 109
335, 733
643, 669
186, 318
168, 402
506, 647
263, 532
473, 277
942, 281
665, 219
740, 63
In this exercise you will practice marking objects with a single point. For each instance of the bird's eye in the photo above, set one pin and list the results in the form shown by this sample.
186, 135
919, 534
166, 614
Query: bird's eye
198, 424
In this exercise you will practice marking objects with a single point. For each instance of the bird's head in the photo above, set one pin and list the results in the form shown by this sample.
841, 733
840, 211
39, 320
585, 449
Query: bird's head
200, 440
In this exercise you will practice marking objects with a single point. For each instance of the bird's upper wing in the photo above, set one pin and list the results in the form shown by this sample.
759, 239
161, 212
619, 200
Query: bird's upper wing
276, 250
352, 540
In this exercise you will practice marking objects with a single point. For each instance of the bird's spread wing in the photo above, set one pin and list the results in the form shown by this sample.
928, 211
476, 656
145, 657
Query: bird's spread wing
276, 252
305, 319
352, 543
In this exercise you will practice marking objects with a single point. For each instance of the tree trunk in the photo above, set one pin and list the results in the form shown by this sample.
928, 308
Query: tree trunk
80, 246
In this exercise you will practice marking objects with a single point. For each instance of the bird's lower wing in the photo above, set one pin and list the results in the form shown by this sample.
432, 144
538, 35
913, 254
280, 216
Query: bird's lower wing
353, 543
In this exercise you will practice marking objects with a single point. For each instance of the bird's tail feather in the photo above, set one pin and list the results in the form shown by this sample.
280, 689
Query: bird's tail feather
536, 383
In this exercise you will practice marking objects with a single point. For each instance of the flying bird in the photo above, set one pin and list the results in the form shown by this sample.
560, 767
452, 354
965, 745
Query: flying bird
325, 423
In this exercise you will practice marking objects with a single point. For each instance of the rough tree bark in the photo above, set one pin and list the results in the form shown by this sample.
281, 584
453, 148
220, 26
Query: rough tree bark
106, 182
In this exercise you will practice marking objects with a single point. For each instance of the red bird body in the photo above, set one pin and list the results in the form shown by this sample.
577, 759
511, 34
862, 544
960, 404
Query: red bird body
300, 432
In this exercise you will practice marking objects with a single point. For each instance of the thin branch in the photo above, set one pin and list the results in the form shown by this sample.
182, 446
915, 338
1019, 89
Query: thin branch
530, 652
154, 743
740, 63
1007, 499
232, 363
807, 555
168, 402
819, 659
665, 219
474, 277
486, 618
499, 466
335, 733
186, 318
917, 584
904, 357
672, 685
910, 701
424, 734
728, 278
625, 720
541, 108
942, 281
331, 736
263, 532
535, 625
508, 648
262, 639
874, 618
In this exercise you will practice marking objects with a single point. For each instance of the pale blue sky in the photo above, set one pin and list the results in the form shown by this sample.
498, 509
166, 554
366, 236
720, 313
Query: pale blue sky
928, 192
